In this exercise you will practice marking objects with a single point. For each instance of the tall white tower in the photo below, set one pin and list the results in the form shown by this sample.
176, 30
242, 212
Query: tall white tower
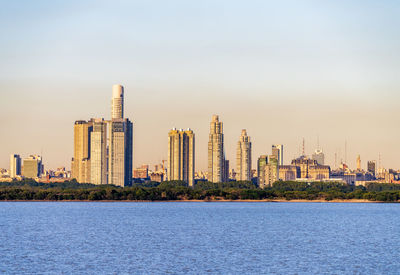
117, 102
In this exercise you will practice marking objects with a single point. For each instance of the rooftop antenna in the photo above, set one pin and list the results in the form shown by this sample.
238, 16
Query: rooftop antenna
304, 147
345, 151
318, 142
379, 163
335, 159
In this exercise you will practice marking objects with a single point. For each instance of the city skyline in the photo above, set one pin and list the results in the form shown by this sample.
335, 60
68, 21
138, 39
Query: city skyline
278, 76
341, 153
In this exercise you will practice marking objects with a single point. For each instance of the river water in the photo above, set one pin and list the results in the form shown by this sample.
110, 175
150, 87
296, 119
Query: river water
199, 238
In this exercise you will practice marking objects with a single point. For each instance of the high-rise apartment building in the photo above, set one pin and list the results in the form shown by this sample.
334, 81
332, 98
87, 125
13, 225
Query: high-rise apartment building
32, 167
371, 166
120, 152
243, 157
261, 163
181, 161
271, 171
277, 151
319, 156
216, 155
80, 165
117, 102
225, 170
98, 152
15, 165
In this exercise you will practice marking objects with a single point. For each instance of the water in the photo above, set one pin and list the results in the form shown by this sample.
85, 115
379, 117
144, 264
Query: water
198, 238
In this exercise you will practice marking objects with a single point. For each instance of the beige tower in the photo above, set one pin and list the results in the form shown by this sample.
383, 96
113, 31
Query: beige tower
181, 156
120, 152
216, 157
98, 152
80, 166
32, 167
358, 163
243, 157
117, 102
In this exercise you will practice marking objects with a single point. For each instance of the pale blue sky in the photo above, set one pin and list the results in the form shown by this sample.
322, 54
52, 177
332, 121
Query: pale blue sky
281, 69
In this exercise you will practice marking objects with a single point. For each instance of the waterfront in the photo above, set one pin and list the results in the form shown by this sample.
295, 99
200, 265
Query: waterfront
194, 238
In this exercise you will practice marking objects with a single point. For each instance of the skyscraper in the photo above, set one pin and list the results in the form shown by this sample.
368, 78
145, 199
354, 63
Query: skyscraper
371, 166
15, 165
120, 141
117, 102
271, 171
32, 167
319, 156
216, 156
80, 165
277, 151
243, 157
261, 163
120, 152
181, 156
98, 152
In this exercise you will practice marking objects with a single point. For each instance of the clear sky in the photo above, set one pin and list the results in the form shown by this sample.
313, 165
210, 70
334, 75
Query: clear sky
283, 70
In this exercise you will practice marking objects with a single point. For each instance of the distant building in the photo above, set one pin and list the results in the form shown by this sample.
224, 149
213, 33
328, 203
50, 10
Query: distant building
216, 153
358, 163
32, 167
141, 173
15, 165
80, 165
348, 178
277, 151
243, 157
225, 171
271, 172
319, 156
120, 152
319, 172
181, 158
304, 163
157, 176
232, 174
261, 163
371, 167
311, 169
289, 172
98, 152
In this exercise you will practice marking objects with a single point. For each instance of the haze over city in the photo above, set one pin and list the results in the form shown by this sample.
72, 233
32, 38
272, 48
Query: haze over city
283, 71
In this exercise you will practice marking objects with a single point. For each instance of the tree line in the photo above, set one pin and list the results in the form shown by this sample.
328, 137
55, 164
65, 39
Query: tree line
178, 190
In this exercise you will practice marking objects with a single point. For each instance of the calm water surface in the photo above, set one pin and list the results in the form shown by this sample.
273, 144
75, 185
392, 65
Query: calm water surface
198, 238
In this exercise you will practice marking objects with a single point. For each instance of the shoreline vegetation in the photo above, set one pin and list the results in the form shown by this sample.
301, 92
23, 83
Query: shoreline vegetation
30, 190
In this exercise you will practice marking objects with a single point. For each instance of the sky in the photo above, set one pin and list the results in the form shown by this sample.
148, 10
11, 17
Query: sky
284, 70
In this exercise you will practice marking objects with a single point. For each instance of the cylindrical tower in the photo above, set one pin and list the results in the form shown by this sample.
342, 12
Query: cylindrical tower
117, 102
